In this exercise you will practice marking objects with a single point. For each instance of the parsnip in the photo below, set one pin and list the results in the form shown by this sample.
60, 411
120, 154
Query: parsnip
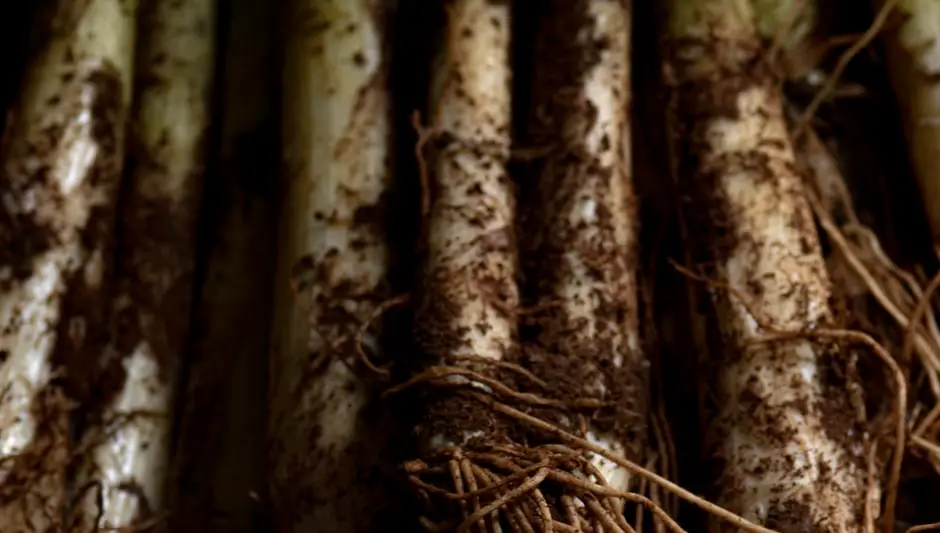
585, 216
220, 460
131, 442
783, 431
914, 63
61, 171
469, 288
790, 26
330, 465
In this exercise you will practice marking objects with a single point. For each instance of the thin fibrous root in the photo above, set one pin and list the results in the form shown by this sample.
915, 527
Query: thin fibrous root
559, 470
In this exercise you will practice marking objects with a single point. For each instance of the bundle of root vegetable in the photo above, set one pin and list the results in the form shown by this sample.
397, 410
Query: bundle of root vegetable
500, 240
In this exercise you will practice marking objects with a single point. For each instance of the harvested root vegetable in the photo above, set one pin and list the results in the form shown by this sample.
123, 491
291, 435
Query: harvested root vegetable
331, 469
62, 165
869, 291
466, 313
790, 27
583, 247
790, 454
469, 291
487, 446
219, 461
127, 467
914, 63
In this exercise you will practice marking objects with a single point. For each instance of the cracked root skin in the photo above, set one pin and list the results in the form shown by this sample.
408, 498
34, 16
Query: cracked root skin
782, 434
914, 64
469, 292
61, 169
329, 437
129, 460
583, 245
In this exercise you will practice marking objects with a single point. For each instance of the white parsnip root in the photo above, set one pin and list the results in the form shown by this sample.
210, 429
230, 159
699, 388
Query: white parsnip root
61, 169
469, 292
329, 456
914, 64
127, 466
583, 245
790, 28
219, 462
789, 452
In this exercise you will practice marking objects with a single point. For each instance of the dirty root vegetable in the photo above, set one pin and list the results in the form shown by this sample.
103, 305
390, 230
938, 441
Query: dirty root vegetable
584, 216
914, 63
788, 450
329, 435
469, 295
790, 28
130, 444
62, 163
219, 461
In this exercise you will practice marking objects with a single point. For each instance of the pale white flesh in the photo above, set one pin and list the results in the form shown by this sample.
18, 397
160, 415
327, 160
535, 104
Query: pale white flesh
333, 260
471, 263
574, 195
914, 64
784, 464
129, 463
81, 176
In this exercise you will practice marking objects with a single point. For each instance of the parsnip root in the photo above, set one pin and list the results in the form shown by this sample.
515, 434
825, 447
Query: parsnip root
220, 461
61, 170
469, 293
126, 470
788, 452
583, 245
331, 469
